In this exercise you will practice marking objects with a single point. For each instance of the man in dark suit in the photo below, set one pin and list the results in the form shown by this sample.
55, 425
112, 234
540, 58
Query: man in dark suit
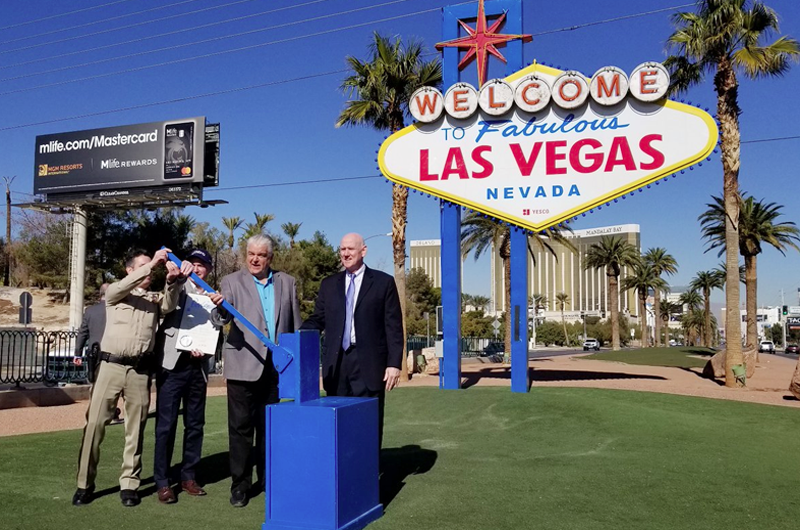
268, 299
359, 311
182, 377
91, 332
93, 324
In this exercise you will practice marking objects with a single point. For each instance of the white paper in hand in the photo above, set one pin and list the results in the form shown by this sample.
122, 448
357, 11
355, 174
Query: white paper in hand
196, 331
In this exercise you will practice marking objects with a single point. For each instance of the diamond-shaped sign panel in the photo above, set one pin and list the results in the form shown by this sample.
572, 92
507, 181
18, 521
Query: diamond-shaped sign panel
537, 169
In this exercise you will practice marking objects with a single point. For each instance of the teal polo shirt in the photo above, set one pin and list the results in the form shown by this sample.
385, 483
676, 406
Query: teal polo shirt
266, 293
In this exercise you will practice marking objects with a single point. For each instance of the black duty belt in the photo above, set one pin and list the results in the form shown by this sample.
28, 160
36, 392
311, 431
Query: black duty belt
125, 360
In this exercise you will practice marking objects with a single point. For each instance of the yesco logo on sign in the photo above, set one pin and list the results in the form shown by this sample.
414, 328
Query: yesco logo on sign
542, 145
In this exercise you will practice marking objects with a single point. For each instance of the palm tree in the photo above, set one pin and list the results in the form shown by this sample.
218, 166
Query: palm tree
662, 263
612, 253
480, 233
723, 269
562, 299
253, 229
480, 302
667, 310
643, 278
184, 224
291, 230
723, 37
691, 299
232, 224
756, 226
691, 319
707, 281
538, 300
380, 90
692, 323
466, 299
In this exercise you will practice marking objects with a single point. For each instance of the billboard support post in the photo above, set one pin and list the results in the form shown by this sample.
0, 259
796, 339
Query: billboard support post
77, 267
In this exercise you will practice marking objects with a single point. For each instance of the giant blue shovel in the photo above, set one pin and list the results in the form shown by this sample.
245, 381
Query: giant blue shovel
322, 453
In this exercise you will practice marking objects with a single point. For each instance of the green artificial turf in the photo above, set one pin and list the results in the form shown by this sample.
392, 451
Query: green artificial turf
482, 458
685, 357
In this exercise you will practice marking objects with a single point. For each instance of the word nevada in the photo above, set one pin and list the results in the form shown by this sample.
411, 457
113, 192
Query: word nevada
532, 93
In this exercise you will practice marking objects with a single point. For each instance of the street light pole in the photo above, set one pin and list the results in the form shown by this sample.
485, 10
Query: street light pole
427, 329
583, 317
377, 235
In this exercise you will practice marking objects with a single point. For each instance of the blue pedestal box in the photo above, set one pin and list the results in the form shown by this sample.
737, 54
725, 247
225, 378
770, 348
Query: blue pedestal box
322, 464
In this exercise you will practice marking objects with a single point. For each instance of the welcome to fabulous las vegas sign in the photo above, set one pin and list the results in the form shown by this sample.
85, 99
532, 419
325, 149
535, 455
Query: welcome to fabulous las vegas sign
542, 146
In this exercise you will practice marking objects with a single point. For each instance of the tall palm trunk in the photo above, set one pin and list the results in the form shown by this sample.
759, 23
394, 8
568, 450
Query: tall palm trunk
751, 288
642, 296
399, 217
707, 322
564, 325
657, 307
613, 289
505, 255
726, 87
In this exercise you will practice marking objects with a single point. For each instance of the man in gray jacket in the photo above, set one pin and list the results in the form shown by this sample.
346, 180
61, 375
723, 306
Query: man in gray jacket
183, 377
268, 299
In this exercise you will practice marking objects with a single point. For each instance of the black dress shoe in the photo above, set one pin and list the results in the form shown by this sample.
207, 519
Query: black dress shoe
83, 496
129, 498
239, 498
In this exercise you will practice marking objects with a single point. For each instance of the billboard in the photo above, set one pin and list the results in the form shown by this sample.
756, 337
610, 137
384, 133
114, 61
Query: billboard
145, 155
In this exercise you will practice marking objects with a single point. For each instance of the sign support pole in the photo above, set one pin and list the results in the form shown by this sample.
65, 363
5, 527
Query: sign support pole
77, 268
451, 231
518, 312
451, 213
451, 295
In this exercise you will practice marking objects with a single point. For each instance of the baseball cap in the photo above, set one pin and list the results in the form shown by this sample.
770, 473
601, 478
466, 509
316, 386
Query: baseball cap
200, 254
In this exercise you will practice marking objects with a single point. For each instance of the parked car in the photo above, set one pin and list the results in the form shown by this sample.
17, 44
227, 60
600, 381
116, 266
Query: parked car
591, 344
792, 348
65, 367
766, 346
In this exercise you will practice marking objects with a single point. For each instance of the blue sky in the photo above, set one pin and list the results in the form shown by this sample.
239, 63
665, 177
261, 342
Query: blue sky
280, 153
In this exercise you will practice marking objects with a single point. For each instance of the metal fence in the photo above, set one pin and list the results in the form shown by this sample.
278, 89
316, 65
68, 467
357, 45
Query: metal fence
33, 356
470, 346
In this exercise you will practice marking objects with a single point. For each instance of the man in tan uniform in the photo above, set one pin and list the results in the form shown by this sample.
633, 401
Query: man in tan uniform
132, 315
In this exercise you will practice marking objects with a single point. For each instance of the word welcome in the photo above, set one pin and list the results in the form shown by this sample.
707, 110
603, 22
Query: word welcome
608, 86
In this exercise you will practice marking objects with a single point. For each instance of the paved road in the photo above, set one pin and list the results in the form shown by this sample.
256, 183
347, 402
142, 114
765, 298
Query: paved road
538, 353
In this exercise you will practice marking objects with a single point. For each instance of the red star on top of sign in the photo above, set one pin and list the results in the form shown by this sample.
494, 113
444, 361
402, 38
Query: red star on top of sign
480, 41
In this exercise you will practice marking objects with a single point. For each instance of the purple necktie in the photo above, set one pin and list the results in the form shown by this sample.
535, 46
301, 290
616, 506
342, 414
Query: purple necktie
349, 298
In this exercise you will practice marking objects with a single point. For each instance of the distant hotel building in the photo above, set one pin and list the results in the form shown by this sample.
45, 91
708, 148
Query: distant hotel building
550, 275
427, 255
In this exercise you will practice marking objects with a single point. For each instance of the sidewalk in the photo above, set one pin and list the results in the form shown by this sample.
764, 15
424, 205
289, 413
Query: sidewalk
769, 386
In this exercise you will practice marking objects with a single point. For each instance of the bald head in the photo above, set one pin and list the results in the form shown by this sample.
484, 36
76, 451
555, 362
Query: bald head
352, 251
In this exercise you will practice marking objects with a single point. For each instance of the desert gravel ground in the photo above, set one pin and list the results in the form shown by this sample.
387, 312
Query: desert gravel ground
769, 386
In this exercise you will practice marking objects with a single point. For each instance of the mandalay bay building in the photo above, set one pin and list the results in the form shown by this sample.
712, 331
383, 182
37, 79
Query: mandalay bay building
549, 275
564, 272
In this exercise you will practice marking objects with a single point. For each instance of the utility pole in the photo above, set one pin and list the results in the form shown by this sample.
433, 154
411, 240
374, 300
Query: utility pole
7, 268
783, 321
77, 267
